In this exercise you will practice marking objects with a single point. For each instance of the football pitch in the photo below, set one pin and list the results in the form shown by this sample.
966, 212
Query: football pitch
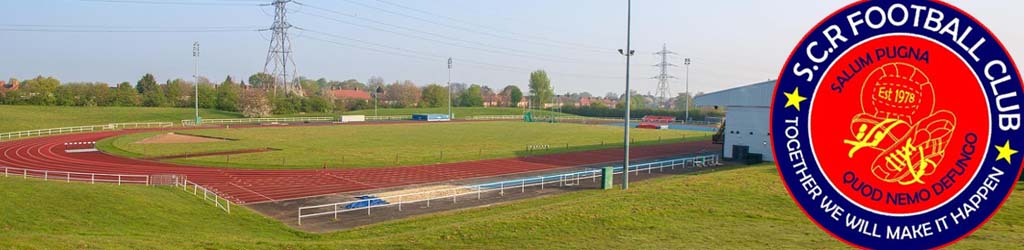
377, 145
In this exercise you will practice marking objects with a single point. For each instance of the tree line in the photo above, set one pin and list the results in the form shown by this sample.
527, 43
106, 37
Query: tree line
263, 96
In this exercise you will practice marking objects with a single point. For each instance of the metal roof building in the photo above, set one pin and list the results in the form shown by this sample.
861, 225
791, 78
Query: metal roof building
746, 118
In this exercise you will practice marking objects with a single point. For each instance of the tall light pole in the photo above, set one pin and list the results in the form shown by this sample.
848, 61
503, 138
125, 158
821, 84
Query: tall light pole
450, 89
195, 56
628, 53
688, 96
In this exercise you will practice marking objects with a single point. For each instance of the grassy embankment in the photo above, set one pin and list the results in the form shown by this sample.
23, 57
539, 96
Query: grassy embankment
743, 208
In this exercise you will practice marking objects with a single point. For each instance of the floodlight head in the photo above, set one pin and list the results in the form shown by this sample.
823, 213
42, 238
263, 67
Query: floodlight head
631, 52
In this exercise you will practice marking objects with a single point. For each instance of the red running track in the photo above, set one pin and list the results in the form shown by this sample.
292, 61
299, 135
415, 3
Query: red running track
249, 186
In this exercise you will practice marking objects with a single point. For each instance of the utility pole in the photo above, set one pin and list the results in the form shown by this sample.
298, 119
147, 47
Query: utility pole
450, 89
663, 90
628, 53
279, 55
688, 96
195, 57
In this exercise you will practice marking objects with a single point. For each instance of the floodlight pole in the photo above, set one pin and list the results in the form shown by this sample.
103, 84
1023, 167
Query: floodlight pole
688, 96
628, 53
195, 56
450, 88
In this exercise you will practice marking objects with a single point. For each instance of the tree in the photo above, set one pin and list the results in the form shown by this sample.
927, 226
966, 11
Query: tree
374, 83
179, 93
636, 102
286, 104
262, 81
83, 94
309, 86
125, 95
488, 96
471, 97
401, 95
317, 104
684, 99
146, 84
540, 88
207, 96
152, 94
351, 84
323, 83
254, 103
227, 95
40, 90
515, 95
434, 96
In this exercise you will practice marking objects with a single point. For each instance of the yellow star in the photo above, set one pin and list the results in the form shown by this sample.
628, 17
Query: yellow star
1005, 152
794, 99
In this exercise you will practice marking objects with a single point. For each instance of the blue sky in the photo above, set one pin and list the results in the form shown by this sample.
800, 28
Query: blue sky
731, 43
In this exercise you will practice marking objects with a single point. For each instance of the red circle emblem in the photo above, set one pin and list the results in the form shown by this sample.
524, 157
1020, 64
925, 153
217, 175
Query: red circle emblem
896, 131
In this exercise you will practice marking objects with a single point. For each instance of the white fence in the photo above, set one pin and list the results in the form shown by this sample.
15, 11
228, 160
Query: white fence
79, 129
258, 120
567, 179
495, 117
51, 175
220, 202
388, 117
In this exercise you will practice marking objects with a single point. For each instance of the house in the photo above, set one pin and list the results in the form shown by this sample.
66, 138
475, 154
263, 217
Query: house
746, 117
584, 102
523, 102
8, 87
491, 100
350, 94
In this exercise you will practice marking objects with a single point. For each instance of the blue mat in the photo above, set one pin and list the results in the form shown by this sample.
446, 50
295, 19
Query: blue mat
365, 201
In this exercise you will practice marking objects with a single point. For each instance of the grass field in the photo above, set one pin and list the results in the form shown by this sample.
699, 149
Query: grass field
744, 208
459, 112
390, 145
17, 117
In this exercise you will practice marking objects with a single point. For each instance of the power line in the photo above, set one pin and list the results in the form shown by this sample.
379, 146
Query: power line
433, 58
455, 27
446, 39
161, 2
96, 30
592, 48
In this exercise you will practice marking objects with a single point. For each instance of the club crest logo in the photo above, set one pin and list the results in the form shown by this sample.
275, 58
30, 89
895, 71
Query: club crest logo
898, 124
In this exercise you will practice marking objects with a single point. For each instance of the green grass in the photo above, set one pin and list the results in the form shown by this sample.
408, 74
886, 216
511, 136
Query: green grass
744, 208
23, 117
459, 112
17, 117
374, 146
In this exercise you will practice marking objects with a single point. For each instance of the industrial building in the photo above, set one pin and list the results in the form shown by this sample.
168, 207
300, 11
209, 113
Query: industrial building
745, 130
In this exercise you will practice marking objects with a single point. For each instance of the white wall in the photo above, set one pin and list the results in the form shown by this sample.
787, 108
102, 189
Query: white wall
748, 126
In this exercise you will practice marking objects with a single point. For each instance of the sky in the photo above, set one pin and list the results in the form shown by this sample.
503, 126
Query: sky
492, 43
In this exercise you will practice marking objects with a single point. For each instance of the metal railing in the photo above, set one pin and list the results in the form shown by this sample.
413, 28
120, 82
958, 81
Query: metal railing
258, 120
51, 175
388, 117
572, 178
495, 117
220, 202
79, 129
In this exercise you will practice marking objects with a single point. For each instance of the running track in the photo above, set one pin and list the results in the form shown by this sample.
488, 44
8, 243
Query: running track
250, 186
